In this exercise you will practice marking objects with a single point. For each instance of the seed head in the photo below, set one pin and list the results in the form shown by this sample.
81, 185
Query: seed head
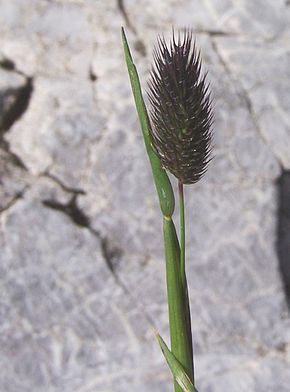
181, 113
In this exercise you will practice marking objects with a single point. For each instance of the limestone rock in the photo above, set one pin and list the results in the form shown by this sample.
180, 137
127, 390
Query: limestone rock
82, 269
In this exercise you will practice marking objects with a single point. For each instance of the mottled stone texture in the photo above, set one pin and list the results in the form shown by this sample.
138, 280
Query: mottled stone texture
82, 271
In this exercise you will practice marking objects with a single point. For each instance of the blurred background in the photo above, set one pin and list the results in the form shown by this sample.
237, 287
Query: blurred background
82, 269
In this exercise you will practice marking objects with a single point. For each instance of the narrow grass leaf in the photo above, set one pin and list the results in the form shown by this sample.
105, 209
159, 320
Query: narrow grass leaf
180, 336
162, 183
176, 368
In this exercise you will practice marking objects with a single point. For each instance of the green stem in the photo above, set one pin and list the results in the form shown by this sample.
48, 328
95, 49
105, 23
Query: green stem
182, 232
183, 271
177, 303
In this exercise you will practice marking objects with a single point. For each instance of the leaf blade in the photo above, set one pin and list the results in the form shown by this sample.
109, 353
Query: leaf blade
162, 182
176, 368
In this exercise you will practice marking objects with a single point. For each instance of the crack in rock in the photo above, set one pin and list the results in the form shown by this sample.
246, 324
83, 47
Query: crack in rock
122, 9
138, 44
71, 209
14, 181
14, 158
140, 47
11, 202
216, 33
243, 94
92, 76
63, 186
21, 96
283, 230
15, 112
7, 64
110, 252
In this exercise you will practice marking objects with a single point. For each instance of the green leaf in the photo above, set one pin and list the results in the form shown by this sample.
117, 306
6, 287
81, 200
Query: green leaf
176, 368
179, 323
162, 183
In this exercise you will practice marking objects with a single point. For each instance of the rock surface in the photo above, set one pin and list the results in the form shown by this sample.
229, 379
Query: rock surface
82, 271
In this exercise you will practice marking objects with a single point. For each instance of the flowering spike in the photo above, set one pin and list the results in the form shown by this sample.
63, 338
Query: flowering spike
181, 112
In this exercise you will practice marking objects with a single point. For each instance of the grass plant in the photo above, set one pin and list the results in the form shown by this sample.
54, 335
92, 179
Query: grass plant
177, 135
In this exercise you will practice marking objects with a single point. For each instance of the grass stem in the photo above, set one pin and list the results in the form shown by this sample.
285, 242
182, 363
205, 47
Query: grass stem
182, 232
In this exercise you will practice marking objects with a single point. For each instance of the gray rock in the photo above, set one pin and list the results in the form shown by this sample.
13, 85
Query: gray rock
82, 269
10, 83
14, 180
